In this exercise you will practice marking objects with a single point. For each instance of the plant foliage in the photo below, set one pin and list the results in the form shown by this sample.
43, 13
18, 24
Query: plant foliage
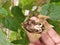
12, 19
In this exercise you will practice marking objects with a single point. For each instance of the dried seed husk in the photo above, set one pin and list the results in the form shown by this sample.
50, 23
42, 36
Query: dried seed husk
41, 21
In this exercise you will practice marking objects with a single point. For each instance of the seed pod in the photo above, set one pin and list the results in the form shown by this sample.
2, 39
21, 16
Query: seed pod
34, 26
37, 24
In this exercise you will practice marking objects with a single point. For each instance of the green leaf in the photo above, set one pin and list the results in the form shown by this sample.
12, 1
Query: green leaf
18, 42
2, 2
54, 0
52, 10
7, 5
27, 4
10, 23
3, 40
44, 9
3, 12
12, 35
21, 41
17, 13
24, 36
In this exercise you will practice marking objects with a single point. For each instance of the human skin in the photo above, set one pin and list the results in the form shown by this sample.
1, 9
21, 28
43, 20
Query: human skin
49, 37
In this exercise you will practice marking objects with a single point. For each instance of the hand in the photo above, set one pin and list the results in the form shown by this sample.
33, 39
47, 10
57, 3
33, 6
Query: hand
47, 38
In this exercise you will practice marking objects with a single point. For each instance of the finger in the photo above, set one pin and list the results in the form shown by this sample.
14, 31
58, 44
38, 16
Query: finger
46, 39
55, 37
42, 43
34, 38
37, 43
57, 44
31, 44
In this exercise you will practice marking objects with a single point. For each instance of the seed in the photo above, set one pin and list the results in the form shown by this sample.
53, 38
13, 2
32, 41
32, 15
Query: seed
36, 27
